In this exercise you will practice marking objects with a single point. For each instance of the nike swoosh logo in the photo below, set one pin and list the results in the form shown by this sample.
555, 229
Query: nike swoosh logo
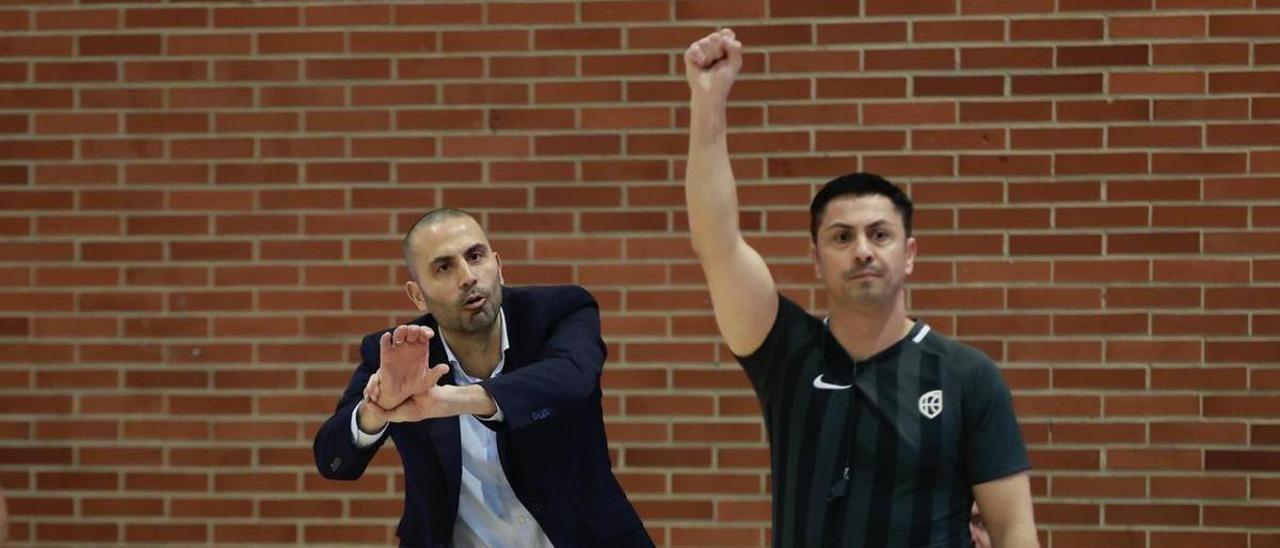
823, 385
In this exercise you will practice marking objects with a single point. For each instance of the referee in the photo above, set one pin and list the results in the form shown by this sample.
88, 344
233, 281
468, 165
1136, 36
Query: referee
882, 432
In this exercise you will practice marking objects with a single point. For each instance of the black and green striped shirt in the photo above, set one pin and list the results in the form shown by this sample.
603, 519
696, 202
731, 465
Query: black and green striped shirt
882, 452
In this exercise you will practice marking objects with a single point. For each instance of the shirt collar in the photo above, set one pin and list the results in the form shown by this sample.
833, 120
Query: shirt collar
460, 376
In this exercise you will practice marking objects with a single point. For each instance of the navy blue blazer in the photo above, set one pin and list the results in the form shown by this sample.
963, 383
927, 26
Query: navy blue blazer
551, 440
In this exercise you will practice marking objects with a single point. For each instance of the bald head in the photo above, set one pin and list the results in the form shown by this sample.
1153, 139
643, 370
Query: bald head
431, 218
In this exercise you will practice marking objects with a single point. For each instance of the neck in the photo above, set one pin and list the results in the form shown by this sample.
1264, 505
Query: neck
865, 332
477, 353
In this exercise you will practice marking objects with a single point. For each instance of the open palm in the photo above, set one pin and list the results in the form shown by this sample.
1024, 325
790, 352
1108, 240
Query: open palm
405, 369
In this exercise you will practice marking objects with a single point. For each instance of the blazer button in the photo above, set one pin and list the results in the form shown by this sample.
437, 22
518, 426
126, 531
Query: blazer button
335, 463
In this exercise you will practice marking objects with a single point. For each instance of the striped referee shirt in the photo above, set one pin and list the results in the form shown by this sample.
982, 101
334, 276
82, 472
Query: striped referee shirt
881, 452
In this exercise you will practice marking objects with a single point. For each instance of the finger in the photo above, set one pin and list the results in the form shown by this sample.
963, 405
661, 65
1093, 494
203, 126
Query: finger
398, 336
715, 47
708, 52
733, 49
694, 56
384, 343
726, 32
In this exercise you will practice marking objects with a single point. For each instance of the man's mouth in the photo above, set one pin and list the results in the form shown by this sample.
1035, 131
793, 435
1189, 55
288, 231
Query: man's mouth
474, 302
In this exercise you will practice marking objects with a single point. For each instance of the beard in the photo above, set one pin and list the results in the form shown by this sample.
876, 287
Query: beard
455, 317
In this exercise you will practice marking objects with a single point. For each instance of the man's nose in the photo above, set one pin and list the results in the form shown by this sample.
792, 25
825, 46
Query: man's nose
862, 250
468, 276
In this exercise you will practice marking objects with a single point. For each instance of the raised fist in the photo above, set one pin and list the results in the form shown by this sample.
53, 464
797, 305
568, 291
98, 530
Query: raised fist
712, 63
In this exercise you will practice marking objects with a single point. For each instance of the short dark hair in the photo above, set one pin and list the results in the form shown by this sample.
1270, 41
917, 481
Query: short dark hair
430, 218
858, 184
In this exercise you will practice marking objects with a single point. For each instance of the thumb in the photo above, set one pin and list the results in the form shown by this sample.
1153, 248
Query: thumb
435, 372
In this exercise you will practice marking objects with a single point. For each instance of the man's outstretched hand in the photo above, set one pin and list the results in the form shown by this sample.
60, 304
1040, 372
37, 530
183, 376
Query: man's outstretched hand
405, 370
439, 401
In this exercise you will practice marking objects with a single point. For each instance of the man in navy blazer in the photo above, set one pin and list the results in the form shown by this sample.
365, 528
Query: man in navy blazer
503, 442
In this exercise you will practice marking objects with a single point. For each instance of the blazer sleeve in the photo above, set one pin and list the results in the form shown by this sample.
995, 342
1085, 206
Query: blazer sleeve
565, 372
337, 456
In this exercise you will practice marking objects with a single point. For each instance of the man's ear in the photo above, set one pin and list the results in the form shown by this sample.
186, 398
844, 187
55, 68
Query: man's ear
911, 256
498, 259
415, 294
817, 266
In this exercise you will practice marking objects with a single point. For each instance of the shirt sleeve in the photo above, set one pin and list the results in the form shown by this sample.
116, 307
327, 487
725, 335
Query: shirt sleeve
765, 363
994, 447
361, 439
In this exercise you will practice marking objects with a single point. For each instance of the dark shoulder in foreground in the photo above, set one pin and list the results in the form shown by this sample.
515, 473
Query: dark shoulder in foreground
957, 356
535, 298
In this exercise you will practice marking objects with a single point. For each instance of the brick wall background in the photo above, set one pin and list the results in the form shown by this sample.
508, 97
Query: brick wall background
202, 204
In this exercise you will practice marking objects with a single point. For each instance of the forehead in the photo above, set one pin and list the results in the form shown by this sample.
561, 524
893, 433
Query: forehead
860, 211
451, 236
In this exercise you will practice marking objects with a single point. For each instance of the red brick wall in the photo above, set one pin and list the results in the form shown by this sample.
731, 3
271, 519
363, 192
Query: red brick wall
201, 206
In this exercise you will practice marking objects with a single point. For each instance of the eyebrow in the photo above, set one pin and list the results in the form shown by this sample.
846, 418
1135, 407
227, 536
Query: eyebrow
876, 224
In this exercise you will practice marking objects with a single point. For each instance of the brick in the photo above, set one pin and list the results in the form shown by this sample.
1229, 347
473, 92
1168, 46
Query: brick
372, 14
1187, 539
667, 457
1168, 242
209, 44
1244, 82
635, 10
1177, 26
1146, 83
216, 508
1154, 136
165, 17
79, 18
164, 533
77, 532
813, 61
1091, 486
76, 72
1198, 434
1200, 54
861, 33
1255, 25
835, 88
968, 86
1100, 163
1091, 56
257, 17
254, 533
909, 113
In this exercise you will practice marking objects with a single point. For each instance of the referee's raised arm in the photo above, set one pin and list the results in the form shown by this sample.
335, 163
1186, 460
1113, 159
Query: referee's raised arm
742, 289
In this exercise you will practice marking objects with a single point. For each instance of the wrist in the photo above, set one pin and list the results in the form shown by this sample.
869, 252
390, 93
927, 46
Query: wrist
475, 400
711, 102
369, 420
